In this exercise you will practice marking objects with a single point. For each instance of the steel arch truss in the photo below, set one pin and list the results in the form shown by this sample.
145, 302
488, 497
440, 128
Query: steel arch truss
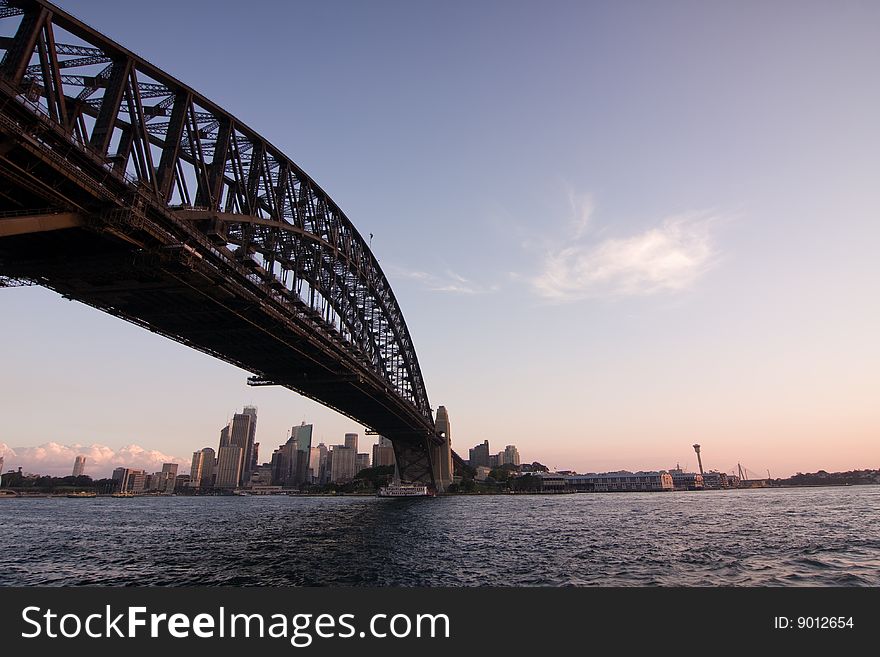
212, 173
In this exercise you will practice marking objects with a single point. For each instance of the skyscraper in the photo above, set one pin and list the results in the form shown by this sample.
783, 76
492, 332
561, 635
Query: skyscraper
250, 452
120, 476
195, 469
511, 455
302, 437
351, 441
479, 455
209, 468
241, 435
383, 452
229, 466
362, 461
79, 465
342, 464
169, 477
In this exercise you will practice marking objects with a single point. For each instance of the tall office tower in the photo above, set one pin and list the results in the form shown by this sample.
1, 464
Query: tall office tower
441, 455
224, 436
229, 466
169, 477
209, 468
342, 464
362, 461
255, 459
250, 454
79, 464
137, 481
314, 471
351, 441
511, 455
323, 472
195, 469
479, 455
302, 436
240, 435
383, 452
120, 476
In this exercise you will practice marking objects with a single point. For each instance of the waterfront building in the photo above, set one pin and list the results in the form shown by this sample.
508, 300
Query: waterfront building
300, 456
482, 472
362, 462
715, 479
323, 472
261, 477
479, 455
686, 480
169, 477
342, 464
137, 481
351, 441
195, 468
120, 476
496, 460
609, 482
252, 448
79, 465
511, 455
229, 466
383, 452
241, 434
209, 468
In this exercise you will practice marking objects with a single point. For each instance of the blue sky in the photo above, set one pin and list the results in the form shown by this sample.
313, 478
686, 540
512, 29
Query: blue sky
614, 229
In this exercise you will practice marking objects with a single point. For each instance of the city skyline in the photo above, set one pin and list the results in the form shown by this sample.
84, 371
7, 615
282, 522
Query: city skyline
677, 248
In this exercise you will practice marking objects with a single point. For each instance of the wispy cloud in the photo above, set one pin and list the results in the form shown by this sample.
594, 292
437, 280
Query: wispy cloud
449, 281
668, 257
57, 459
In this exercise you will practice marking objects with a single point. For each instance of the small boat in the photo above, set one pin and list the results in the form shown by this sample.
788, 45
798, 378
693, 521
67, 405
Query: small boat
82, 493
404, 490
125, 494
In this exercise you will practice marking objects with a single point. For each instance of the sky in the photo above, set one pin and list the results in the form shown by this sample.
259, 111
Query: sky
614, 229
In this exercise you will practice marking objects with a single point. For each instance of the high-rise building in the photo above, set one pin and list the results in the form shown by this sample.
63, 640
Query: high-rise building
362, 462
250, 452
240, 435
479, 455
511, 455
137, 481
79, 465
496, 460
224, 436
195, 469
302, 438
229, 466
120, 476
342, 464
323, 472
383, 452
209, 468
441, 455
169, 477
351, 441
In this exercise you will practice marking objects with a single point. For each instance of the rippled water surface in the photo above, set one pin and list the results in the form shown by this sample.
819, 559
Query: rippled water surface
814, 537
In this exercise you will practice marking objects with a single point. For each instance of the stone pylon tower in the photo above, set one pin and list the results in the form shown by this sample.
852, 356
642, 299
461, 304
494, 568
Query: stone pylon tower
441, 455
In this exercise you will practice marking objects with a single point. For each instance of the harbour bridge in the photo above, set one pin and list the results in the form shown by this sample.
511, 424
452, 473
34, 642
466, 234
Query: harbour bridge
125, 189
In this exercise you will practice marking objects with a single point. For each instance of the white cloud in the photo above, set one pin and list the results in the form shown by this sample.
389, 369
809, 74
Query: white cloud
669, 257
57, 459
449, 281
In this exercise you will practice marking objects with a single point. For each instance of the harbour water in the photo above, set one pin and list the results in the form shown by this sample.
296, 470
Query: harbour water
770, 537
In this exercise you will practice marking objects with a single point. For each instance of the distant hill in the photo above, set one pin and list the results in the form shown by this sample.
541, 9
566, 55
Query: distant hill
822, 478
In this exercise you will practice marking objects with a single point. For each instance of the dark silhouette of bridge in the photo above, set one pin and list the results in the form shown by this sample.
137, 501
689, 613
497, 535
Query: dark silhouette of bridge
127, 190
